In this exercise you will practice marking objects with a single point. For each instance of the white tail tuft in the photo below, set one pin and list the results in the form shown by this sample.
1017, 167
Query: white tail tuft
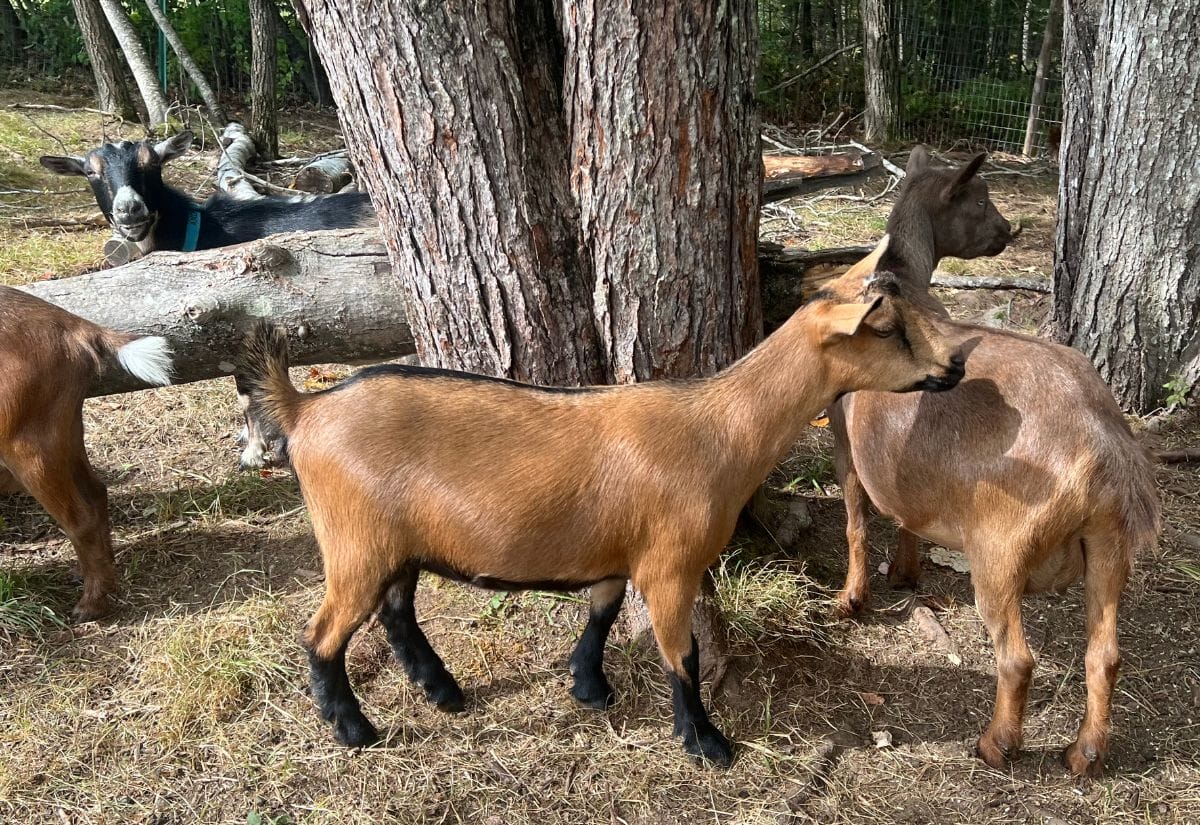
148, 359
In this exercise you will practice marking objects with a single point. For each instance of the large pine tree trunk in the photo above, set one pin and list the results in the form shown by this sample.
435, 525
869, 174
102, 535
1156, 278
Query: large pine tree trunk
1127, 276
264, 127
112, 94
189, 65
569, 195
139, 64
880, 71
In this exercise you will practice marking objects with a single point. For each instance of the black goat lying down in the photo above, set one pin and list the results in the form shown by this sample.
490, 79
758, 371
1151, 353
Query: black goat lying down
126, 179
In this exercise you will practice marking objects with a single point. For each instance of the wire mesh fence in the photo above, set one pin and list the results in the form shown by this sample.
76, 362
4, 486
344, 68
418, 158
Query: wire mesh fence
966, 70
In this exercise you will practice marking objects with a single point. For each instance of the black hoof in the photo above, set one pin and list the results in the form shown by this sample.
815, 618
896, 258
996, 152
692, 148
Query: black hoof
593, 693
447, 696
710, 745
355, 732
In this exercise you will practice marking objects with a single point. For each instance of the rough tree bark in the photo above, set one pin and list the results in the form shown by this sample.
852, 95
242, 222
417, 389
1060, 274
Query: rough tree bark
139, 64
112, 95
264, 127
215, 111
1127, 272
880, 71
331, 290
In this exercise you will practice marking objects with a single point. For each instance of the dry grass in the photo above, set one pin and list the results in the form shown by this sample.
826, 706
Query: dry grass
191, 705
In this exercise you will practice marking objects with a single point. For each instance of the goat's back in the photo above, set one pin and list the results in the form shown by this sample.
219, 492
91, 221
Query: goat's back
236, 220
1030, 448
553, 486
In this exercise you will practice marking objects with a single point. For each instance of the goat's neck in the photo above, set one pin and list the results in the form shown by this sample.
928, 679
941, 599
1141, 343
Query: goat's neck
762, 404
173, 210
912, 253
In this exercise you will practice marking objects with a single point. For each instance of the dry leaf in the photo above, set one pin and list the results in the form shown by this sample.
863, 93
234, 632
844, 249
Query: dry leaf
872, 698
881, 738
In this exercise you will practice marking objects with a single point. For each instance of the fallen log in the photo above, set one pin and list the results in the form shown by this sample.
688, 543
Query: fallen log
786, 176
333, 290
324, 175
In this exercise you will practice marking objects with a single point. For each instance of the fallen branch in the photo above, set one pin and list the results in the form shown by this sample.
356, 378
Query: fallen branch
237, 150
932, 630
796, 78
987, 282
51, 107
1178, 456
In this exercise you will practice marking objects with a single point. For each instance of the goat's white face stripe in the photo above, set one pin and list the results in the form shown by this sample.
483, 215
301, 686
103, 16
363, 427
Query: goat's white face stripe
127, 198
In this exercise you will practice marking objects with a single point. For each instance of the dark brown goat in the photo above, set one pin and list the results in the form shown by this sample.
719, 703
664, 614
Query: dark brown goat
1027, 466
506, 485
49, 358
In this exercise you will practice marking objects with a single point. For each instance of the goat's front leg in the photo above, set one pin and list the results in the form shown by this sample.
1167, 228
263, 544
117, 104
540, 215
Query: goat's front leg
421, 662
905, 569
670, 602
53, 467
998, 599
1105, 579
856, 592
590, 686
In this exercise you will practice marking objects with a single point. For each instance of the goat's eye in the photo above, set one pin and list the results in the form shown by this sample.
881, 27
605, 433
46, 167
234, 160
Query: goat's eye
884, 332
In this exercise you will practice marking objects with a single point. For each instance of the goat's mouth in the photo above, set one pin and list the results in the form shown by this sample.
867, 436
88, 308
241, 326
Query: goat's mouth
134, 231
939, 383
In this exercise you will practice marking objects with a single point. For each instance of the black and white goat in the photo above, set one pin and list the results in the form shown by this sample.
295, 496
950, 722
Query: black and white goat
126, 179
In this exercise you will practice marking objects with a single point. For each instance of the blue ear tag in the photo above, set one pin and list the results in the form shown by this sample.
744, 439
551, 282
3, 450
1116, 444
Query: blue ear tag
193, 229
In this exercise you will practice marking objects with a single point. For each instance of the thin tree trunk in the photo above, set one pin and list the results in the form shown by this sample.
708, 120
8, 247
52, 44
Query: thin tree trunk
1126, 274
139, 64
1038, 96
189, 66
312, 74
112, 93
12, 35
879, 66
264, 126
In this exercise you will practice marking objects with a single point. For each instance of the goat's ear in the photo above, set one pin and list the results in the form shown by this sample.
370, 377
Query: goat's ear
845, 319
174, 146
63, 164
964, 175
918, 160
857, 275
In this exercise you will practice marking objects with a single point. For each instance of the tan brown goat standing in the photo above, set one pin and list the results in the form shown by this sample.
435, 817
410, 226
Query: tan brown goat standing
1027, 466
512, 486
49, 359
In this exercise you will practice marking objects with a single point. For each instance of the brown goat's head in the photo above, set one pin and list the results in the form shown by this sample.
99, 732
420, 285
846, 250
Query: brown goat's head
965, 222
877, 337
126, 179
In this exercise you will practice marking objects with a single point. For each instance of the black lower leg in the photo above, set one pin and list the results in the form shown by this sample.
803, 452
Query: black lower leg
591, 687
421, 663
336, 700
700, 737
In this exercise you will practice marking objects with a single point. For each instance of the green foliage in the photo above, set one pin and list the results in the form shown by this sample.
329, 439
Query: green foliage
1178, 389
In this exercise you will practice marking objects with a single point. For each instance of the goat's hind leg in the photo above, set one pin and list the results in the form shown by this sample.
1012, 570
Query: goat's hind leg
1107, 571
345, 607
421, 663
590, 686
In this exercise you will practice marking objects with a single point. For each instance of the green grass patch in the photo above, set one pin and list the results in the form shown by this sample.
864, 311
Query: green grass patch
23, 597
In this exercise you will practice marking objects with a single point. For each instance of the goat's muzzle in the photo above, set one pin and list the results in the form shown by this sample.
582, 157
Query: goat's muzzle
947, 380
134, 231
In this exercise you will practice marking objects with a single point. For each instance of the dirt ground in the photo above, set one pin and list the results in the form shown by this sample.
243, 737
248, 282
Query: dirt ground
191, 704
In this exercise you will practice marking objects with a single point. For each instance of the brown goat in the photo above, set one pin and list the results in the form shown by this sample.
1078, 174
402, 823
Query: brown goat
49, 359
1027, 466
512, 486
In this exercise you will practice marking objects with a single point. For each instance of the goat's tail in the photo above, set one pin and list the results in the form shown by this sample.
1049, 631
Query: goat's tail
263, 375
1136, 493
147, 358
